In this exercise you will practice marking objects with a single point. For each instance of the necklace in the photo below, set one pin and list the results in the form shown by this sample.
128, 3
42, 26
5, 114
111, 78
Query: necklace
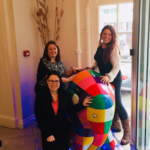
53, 65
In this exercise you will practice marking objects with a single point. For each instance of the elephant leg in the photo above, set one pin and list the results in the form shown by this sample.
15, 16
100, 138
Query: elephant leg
109, 143
101, 131
82, 143
84, 135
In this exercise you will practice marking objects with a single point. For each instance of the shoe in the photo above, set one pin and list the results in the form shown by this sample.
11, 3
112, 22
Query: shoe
116, 126
127, 132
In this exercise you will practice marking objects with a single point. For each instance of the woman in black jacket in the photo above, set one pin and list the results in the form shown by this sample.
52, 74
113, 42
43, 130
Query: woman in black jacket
51, 106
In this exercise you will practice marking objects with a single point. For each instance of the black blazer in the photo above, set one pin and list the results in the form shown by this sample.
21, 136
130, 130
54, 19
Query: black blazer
51, 124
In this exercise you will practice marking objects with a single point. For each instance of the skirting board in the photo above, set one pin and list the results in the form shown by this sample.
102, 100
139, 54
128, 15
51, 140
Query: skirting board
12, 122
28, 121
6, 121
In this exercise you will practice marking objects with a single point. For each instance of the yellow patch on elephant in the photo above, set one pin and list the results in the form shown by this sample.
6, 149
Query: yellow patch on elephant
87, 140
95, 115
92, 147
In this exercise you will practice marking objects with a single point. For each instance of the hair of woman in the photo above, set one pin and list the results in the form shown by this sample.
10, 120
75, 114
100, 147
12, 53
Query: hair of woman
45, 54
60, 89
111, 45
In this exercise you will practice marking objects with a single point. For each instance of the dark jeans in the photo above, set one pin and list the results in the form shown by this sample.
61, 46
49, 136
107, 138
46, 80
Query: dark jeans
120, 110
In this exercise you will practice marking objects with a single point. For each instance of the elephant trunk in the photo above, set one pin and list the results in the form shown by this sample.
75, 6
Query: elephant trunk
100, 131
98, 141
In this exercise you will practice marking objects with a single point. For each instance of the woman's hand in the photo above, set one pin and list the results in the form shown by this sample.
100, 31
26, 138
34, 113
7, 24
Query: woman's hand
91, 68
105, 79
75, 69
51, 138
87, 101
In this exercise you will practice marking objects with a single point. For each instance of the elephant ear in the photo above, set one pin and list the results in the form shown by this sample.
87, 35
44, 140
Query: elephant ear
75, 99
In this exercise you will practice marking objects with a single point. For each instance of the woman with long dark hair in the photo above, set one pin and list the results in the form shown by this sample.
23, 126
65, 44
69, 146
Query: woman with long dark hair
107, 60
51, 61
51, 106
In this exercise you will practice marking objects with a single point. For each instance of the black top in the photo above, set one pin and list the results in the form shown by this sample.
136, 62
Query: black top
45, 66
51, 124
104, 68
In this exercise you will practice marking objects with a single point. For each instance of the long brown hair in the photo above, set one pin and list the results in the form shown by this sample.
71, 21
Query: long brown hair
110, 46
45, 54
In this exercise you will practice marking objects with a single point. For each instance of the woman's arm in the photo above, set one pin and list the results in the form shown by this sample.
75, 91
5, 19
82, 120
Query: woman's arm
77, 107
94, 66
115, 61
68, 79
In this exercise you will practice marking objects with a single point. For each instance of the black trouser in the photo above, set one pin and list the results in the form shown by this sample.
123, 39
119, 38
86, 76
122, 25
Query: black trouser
120, 110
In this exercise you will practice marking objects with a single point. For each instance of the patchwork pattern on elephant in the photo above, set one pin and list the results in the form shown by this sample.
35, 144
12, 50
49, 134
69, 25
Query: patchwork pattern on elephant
92, 124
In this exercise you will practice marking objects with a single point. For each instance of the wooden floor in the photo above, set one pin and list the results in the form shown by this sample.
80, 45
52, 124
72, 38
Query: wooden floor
29, 139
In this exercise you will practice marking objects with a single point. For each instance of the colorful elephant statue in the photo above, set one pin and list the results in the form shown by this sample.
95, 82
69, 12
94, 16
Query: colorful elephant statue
92, 124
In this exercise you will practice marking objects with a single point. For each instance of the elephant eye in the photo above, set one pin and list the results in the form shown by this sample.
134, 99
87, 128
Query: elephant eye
94, 116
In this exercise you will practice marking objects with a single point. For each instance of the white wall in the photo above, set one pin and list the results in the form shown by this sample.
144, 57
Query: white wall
19, 33
27, 38
68, 40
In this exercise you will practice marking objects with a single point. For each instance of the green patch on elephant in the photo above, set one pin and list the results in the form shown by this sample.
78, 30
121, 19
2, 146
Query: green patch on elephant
98, 102
71, 92
107, 126
107, 140
94, 73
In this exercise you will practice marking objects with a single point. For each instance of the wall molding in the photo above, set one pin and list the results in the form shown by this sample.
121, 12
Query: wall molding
78, 51
25, 122
12, 122
88, 42
7, 121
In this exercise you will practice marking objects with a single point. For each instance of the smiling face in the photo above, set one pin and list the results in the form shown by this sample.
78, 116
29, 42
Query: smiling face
53, 83
52, 51
106, 36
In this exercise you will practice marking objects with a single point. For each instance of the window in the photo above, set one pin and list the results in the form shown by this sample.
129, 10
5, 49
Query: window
120, 16
110, 11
